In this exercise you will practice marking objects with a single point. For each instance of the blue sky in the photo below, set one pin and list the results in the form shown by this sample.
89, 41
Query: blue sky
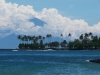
48, 17
89, 10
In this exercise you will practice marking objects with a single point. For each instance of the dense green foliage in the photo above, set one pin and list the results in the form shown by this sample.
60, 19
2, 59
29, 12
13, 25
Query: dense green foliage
85, 41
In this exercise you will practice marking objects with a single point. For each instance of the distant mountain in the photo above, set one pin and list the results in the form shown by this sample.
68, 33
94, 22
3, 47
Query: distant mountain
10, 41
37, 21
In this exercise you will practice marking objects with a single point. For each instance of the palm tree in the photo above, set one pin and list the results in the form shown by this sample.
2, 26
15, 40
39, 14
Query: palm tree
90, 34
50, 37
33, 38
22, 39
26, 38
47, 36
19, 37
29, 39
61, 36
86, 35
40, 37
43, 39
64, 43
69, 35
81, 37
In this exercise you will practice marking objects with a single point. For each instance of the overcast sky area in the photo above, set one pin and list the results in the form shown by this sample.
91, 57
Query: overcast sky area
60, 17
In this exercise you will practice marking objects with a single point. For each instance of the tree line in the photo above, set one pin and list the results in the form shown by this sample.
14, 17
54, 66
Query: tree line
85, 41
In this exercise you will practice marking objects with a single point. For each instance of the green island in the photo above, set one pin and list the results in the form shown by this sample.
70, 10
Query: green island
86, 41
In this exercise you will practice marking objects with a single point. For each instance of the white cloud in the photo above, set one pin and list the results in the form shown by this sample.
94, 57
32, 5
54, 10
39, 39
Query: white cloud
15, 19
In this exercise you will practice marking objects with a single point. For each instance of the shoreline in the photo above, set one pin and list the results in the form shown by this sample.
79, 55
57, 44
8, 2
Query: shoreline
46, 49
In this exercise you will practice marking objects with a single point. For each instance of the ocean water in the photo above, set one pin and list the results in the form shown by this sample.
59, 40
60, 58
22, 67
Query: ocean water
48, 62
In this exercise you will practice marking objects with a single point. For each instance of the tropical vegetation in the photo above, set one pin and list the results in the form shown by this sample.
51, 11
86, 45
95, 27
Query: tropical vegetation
84, 42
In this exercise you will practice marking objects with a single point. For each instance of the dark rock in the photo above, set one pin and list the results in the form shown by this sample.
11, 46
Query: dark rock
95, 60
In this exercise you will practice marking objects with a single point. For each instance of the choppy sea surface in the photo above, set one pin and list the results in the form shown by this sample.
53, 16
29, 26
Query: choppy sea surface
14, 62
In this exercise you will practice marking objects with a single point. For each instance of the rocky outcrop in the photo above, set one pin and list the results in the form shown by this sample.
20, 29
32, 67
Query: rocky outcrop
95, 60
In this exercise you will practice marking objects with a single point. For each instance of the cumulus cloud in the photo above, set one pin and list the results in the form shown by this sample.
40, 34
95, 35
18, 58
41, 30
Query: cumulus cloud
15, 18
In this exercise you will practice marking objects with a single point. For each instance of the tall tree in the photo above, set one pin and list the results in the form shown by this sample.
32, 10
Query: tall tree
22, 40
26, 38
47, 36
64, 43
69, 35
19, 37
90, 34
43, 39
39, 37
50, 37
33, 38
86, 35
81, 37
61, 36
